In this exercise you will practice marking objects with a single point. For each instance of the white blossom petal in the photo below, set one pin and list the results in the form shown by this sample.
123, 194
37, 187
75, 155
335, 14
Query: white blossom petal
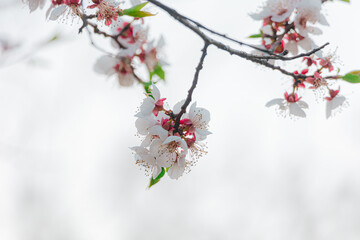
177, 106
177, 169
143, 125
155, 92
105, 65
57, 12
159, 131
296, 110
276, 101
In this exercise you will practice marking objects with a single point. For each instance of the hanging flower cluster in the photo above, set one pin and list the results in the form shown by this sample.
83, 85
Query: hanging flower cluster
321, 86
288, 26
134, 52
170, 144
293, 20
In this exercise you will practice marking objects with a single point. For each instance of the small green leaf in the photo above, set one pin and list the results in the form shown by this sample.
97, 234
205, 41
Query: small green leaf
136, 8
147, 88
352, 77
348, 1
139, 14
259, 35
158, 71
135, 11
157, 179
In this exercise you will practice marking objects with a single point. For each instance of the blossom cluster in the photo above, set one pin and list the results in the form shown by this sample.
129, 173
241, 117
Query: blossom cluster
129, 37
171, 144
294, 20
134, 51
287, 26
292, 104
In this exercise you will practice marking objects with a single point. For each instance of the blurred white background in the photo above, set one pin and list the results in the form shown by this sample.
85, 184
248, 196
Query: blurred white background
66, 171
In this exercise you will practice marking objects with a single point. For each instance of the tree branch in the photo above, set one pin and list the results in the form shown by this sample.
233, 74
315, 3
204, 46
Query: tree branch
253, 58
192, 88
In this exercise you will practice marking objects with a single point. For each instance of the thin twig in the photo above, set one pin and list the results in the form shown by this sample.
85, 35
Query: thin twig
192, 88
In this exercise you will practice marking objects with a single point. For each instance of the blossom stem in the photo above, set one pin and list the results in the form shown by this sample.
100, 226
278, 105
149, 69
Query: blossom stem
192, 88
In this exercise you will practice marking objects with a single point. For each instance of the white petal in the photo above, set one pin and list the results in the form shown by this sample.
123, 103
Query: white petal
126, 80
177, 106
201, 134
192, 110
57, 12
264, 13
49, 10
282, 17
276, 101
172, 139
129, 51
166, 159
184, 146
329, 108
322, 20
267, 30
105, 65
296, 110
154, 147
306, 44
303, 104
292, 47
147, 141
147, 106
176, 171
160, 43
314, 30
155, 92
143, 125
202, 115
159, 131
337, 102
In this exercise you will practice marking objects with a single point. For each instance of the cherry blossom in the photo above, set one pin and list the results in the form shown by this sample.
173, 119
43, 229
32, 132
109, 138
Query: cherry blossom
276, 10
164, 145
150, 54
61, 8
199, 122
119, 66
334, 103
291, 104
309, 11
107, 10
152, 103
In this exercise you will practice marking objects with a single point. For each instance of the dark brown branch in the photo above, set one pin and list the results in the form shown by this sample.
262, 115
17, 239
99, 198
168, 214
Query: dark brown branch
195, 28
220, 45
226, 37
192, 88
279, 57
85, 19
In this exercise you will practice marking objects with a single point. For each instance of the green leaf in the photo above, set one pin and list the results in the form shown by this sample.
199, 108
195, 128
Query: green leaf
135, 11
147, 88
136, 8
352, 77
158, 71
348, 1
157, 179
259, 35
139, 14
